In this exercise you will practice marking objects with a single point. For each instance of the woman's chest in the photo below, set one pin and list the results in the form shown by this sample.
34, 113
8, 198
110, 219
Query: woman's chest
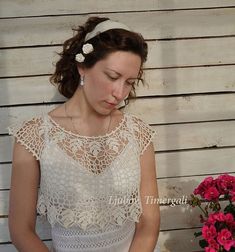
90, 168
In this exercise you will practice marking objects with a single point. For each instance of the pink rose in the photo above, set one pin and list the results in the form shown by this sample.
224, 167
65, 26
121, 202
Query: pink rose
225, 183
208, 232
211, 194
209, 249
229, 218
228, 244
224, 239
203, 186
213, 244
232, 195
219, 216
224, 234
212, 218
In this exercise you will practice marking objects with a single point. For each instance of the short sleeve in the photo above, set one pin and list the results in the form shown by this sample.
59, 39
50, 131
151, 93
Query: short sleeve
143, 133
30, 134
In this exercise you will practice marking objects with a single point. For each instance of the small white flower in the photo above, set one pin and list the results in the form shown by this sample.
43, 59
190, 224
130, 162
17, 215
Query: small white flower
87, 48
79, 57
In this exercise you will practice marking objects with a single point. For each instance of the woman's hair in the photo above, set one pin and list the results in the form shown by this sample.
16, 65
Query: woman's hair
66, 75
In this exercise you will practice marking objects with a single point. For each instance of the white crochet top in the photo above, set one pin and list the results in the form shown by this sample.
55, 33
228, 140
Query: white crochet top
88, 183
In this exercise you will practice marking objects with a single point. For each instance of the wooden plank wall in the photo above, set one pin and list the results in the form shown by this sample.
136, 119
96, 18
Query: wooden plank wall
190, 100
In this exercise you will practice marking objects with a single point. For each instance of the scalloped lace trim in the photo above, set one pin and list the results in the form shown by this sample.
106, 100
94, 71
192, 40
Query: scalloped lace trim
97, 214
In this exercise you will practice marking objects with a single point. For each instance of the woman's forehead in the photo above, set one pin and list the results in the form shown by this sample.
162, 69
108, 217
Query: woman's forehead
121, 61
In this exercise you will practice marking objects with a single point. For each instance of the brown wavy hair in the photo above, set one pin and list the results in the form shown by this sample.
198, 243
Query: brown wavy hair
66, 76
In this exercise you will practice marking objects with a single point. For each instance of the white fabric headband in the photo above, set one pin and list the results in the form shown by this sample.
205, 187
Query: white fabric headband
105, 26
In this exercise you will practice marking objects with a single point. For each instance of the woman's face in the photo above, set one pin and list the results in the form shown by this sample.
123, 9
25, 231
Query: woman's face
110, 80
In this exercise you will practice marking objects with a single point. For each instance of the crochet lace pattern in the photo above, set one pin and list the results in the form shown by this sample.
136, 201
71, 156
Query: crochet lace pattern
74, 239
90, 182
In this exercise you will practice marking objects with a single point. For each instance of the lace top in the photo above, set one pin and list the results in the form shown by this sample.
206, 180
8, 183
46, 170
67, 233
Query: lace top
90, 182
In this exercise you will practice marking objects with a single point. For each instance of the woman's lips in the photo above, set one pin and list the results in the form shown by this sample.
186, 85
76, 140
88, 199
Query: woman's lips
111, 104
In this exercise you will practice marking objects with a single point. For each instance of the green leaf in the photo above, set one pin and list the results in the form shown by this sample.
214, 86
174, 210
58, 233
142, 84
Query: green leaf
196, 234
230, 209
203, 243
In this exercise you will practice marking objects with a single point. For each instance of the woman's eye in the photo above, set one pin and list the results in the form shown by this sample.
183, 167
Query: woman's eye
131, 83
111, 77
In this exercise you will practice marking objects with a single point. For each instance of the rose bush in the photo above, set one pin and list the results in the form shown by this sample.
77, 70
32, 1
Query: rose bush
218, 230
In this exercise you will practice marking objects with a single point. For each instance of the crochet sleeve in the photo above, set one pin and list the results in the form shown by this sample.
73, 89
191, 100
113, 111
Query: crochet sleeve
144, 134
30, 134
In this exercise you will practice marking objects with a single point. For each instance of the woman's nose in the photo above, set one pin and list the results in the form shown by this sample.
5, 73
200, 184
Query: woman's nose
118, 90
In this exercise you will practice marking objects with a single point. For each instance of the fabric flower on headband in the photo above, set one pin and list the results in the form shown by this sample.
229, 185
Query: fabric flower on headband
79, 57
86, 49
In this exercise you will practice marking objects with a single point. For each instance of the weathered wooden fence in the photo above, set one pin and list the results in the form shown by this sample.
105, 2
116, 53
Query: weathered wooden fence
190, 100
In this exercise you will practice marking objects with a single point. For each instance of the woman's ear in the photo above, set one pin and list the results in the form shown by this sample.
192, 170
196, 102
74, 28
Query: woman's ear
81, 70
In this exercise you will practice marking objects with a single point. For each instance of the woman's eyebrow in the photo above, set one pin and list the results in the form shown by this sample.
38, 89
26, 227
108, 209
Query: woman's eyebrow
121, 74
113, 71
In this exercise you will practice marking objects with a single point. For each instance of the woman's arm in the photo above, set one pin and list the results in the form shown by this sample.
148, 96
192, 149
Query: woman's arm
147, 229
23, 199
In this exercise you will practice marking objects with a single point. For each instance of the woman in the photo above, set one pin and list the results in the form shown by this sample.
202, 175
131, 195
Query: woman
94, 162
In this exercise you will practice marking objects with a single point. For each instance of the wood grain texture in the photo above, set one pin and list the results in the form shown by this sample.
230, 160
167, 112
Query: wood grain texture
195, 108
184, 109
194, 135
162, 54
188, 108
21, 8
174, 81
152, 25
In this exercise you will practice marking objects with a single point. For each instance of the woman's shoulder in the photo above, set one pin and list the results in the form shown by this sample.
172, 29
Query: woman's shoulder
24, 122
143, 131
29, 132
138, 122
58, 111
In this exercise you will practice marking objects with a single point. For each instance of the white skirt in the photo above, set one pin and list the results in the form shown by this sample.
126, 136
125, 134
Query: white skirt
115, 239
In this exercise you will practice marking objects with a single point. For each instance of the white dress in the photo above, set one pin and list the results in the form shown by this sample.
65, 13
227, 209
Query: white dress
90, 186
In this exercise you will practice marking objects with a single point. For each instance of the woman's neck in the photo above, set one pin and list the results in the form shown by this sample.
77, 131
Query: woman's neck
79, 107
